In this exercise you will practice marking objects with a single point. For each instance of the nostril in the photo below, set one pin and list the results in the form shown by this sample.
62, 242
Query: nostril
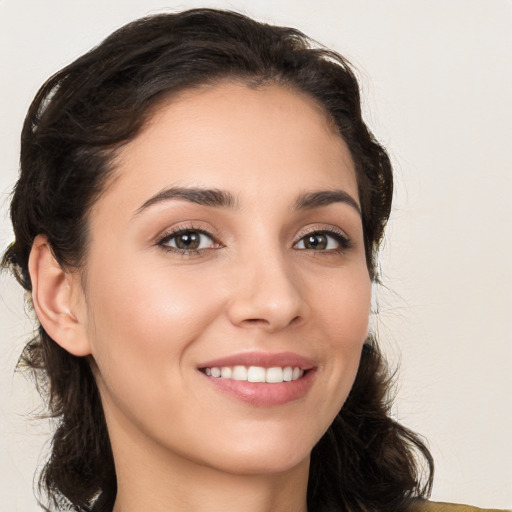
262, 322
256, 321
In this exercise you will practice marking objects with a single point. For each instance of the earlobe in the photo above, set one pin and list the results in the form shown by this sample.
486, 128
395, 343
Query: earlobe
54, 295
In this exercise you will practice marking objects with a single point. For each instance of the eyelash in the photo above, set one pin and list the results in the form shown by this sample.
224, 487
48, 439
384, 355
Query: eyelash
339, 236
167, 237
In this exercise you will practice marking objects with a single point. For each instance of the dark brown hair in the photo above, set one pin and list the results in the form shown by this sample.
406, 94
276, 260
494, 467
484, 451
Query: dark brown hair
366, 461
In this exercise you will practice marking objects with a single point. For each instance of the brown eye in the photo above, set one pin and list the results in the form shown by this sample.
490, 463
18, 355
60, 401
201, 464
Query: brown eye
188, 240
323, 241
315, 241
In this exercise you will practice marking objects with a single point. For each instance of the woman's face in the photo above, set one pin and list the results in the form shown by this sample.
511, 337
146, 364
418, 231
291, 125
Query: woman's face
230, 238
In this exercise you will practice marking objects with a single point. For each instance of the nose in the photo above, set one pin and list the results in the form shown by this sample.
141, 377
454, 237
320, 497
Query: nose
267, 294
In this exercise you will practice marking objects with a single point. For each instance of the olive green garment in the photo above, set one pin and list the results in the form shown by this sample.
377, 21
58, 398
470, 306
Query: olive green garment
435, 506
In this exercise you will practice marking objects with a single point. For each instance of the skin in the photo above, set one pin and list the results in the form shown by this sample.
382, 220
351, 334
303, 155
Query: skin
149, 315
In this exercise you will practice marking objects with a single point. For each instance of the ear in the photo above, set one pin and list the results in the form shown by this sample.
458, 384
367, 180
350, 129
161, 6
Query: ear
58, 299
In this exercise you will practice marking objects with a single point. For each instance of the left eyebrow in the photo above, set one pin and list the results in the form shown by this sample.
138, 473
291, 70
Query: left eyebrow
207, 197
325, 198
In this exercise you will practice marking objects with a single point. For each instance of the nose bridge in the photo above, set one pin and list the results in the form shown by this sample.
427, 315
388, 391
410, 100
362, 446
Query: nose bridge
267, 291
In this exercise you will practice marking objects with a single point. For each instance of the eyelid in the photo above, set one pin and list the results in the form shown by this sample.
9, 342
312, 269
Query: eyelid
338, 234
163, 238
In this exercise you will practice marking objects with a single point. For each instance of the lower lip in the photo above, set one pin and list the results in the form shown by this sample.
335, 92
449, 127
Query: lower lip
261, 393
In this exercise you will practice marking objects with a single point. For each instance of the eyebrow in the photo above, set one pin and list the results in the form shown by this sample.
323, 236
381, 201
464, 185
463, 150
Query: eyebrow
206, 197
325, 198
222, 199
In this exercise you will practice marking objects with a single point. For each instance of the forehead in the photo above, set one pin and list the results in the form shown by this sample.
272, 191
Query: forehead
230, 136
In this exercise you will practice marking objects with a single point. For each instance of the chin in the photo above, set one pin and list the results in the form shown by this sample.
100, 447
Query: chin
264, 464
270, 455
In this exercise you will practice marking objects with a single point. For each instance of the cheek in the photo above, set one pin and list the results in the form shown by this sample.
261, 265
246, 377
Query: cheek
344, 308
141, 331
344, 314
146, 322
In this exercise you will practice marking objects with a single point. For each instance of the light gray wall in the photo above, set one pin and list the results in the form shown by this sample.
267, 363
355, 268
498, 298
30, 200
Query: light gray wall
436, 78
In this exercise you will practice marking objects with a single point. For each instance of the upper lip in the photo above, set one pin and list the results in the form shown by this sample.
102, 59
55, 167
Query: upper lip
263, 359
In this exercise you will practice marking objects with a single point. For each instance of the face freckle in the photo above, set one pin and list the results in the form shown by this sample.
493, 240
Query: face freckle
179, 278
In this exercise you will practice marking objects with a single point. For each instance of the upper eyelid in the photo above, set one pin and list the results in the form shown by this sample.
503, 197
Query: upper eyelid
322, 229
176, 231
162, 241
339, 235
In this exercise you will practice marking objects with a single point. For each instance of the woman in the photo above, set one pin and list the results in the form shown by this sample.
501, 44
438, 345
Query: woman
197, 220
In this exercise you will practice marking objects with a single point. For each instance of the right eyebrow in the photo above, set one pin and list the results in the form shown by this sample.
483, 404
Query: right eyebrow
326, 197
203, 196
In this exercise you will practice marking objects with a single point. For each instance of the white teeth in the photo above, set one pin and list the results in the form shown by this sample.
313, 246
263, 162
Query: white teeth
272, 375
239, 373
256, 374
226, 372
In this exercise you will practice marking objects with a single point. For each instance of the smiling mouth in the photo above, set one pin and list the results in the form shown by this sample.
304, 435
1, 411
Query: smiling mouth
273, 375
261, 379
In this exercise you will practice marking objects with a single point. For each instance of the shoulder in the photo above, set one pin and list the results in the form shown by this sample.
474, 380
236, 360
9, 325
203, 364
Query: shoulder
437, 506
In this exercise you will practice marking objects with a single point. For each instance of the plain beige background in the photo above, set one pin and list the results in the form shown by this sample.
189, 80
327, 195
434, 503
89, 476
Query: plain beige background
437, 81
